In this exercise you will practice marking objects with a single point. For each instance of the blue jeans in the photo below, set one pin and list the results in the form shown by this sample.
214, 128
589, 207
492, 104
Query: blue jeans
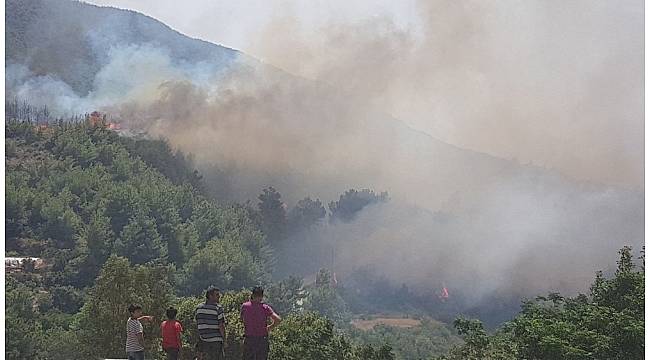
135, 355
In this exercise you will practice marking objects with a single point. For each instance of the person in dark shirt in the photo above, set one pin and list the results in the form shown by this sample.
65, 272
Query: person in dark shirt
211, 324
254, 315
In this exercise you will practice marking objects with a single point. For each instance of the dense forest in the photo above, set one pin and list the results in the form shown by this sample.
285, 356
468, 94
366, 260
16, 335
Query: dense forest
127, 219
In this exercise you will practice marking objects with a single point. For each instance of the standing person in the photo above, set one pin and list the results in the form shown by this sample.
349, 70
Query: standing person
135, 333
171, 334
255, 314
211, 323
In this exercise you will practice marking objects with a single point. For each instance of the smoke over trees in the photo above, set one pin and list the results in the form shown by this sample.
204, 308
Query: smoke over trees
273, 215
353, 201
490, 228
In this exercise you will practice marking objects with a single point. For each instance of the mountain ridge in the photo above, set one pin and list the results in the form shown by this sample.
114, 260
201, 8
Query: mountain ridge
94, 30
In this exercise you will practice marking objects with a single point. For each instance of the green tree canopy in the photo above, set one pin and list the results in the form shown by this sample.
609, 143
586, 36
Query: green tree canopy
353, 201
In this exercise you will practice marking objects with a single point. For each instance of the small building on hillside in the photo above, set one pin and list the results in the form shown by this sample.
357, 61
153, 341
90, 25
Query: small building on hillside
20, 264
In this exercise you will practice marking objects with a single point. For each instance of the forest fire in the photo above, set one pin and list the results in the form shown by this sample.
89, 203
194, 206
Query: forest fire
444, 294
489, 145
97, 119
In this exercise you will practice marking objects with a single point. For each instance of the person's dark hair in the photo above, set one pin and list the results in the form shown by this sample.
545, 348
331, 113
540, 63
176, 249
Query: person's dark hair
211, 289
171, 313
257, 291
133, 308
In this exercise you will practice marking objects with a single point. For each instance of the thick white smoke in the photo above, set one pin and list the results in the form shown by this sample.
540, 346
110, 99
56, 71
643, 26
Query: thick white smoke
481, 223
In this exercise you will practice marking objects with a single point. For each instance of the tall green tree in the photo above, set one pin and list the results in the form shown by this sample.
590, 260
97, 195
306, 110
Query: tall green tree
273, 214
353, 201
305, 214
140, 242
61, 223
225, 264
606, 324
104, 314
98, 238
22, 328
308, 336
324, 299
286, 296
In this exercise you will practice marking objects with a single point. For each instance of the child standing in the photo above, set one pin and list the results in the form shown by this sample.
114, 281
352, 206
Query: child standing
135, 333
171, 334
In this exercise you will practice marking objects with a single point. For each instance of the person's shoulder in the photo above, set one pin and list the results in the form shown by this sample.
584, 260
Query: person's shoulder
133, 324
214, 307
204, 306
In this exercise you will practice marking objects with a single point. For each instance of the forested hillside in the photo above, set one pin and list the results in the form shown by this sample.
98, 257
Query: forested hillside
201, 165
608, 323
122, 220
72, 40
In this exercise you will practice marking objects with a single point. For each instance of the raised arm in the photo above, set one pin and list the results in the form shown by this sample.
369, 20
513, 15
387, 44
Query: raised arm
148, 318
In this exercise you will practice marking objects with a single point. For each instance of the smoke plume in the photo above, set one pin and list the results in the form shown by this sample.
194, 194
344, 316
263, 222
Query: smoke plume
549, 82
492, 79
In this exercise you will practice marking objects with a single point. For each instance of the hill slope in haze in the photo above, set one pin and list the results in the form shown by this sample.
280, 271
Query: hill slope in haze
100, 52
71, 40
250, 126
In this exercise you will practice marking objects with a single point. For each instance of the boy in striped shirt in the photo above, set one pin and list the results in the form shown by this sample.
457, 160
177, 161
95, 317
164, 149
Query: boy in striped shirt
135, 333
211, 323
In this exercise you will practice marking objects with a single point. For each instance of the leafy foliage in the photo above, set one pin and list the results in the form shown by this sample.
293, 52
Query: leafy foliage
286, 296
417, 342
78, 193
607, 324
226, 264
22, 329
305, 214
118, 285
323, 299
273, 214
308, 336
353, 201
122, 220
83, 198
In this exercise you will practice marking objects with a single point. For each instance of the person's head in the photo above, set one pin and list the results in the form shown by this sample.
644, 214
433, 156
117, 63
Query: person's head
171, 313
212, 294
257, 294
135, 311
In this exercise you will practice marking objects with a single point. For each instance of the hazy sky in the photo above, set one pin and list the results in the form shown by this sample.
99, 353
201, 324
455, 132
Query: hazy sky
233, 23
554, 83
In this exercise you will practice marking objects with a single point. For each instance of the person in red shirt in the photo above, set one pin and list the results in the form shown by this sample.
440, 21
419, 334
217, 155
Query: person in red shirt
255, 315
171, 334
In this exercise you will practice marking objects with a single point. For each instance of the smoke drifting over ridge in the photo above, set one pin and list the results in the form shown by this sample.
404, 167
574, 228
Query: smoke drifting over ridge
556, 83
481, 223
